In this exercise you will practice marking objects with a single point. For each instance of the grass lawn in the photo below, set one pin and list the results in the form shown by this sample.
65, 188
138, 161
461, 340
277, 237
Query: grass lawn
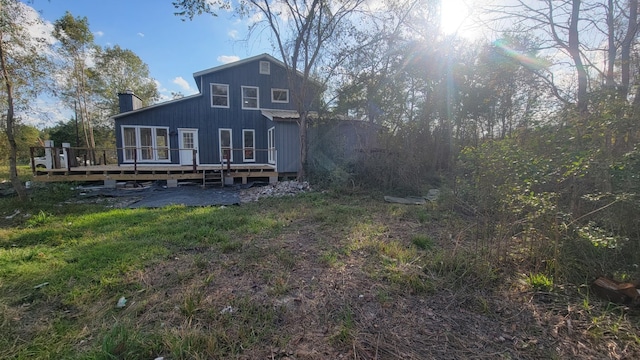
323, 275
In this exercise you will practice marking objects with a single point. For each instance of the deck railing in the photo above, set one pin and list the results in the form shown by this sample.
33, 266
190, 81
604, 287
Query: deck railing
71, 157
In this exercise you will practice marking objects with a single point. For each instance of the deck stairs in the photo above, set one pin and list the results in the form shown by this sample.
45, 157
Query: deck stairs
212, 178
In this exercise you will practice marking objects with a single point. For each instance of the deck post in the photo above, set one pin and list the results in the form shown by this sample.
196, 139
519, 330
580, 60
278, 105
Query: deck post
67, 155
48, 145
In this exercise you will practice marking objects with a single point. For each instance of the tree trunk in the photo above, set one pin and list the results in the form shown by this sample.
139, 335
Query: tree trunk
574, 52
625, 48
302, 173
13, 148
611, 51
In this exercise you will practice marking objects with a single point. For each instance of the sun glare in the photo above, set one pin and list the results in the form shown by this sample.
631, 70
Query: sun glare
455, 17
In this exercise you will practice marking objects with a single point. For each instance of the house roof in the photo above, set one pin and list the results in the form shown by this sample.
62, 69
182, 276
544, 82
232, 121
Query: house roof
275, 115
236, 63
280, 113
160, 104
263, 56
285, 115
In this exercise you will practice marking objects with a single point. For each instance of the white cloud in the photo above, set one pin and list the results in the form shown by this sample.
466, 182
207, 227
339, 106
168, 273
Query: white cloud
256, 18
233, 34
37, 27
165, 94
184, 84
98, 34
46, 112
225, 59
140, 34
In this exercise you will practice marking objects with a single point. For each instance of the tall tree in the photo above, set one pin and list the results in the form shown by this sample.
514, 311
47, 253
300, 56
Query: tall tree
116, 70
76, 46
23, 68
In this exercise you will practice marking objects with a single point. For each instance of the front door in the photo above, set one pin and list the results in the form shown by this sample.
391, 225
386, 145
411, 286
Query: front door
188, 141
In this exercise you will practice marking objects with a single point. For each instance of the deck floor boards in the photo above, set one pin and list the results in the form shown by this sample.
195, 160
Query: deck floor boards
148, 172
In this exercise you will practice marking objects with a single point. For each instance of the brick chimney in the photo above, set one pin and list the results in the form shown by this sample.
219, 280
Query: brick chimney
128, 101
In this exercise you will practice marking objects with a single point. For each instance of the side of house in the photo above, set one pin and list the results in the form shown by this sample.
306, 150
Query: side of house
244, 113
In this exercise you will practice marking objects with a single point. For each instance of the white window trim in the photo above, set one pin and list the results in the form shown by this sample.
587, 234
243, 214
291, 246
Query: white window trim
273, 100
154, 144
244, 146
211, 93
268, 68
222, 160
257, 97
271, 140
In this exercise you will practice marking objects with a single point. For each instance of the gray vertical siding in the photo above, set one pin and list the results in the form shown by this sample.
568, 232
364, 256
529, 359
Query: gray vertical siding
288, 145
196, 112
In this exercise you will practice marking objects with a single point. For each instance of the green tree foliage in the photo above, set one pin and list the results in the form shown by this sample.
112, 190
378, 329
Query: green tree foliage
76, 45
64, 132
116, 70
25, 136
92, 90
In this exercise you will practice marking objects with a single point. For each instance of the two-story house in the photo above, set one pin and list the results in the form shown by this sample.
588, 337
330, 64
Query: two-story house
243, 115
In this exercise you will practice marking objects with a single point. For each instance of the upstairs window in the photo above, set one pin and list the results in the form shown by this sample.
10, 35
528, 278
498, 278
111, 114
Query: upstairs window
250, 97
265, 67
220, 95
279, 95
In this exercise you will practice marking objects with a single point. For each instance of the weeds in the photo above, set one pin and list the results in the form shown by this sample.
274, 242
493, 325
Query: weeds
345, 329
423, 242
540, 282
329, 258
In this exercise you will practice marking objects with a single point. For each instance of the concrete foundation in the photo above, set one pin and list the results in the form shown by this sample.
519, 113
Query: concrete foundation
110, 183
172, 183
273, 179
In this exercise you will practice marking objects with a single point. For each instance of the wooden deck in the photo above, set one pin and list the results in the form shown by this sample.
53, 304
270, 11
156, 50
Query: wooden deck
154, 172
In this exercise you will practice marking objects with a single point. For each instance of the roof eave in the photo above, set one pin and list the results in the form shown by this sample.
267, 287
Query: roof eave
173, 101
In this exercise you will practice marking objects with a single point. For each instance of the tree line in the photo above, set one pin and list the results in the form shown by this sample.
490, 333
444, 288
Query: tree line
65, 63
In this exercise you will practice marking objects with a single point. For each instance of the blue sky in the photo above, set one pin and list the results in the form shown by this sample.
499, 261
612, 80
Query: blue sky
173, 49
